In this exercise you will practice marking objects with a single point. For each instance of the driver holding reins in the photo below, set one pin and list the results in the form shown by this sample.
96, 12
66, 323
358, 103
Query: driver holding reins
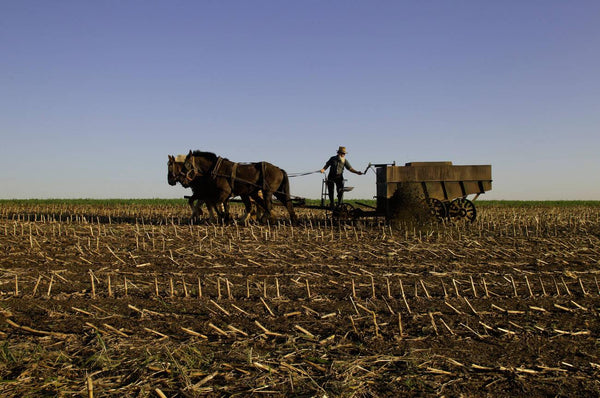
335, 177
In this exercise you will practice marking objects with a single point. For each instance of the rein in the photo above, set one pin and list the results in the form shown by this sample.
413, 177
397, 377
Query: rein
292, 175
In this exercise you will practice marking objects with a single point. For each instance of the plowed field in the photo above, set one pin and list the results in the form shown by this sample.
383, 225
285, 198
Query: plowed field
131, 301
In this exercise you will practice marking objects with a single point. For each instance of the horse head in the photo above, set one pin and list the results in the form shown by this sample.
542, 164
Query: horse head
176, 171
198, 164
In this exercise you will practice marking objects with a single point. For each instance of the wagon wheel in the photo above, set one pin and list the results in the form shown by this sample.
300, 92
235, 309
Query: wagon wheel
345, 211
437, 208
462, 208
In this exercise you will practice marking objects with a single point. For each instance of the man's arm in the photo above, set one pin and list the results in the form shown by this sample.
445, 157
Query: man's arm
326, 166
351, 169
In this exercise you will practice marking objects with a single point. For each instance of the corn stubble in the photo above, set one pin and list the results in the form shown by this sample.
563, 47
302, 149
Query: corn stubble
131, 300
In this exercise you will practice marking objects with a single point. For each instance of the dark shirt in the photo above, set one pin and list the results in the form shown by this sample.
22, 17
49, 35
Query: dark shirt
337, 166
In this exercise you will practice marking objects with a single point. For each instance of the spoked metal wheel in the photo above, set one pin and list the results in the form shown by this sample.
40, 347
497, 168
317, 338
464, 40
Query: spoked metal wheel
437, 208
345, 211
462, 208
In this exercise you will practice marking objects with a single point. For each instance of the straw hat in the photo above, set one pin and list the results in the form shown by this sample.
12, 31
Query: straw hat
342, 149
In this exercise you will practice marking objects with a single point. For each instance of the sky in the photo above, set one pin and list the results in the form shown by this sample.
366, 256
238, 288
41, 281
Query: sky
96, 94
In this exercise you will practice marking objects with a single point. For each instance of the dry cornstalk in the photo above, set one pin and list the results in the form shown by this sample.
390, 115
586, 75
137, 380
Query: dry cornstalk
185, 290
470, 306
220, 308
93, 285
113, 253
82, 311
160, 393
580, 284
375, 324
294, 313
578, 306
228, 284
542, 285
90, 387
302, 330
433, 324
560, 307
452, 308
267, 331
447, 327
114, 329
217, 329
487, 293
34, 331
455, 287
471, 330
136, 309
193, 333
444, 288
264, 367
565, 285
204, 380
236, 330
240, 310
514, 285
404, 297
36, 285
400, 324
473, 286
164, 336
424, 288
267, 307
528, 286
373, 288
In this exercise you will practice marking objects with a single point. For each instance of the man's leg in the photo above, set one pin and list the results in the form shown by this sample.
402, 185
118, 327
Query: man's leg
330, 187
339, 183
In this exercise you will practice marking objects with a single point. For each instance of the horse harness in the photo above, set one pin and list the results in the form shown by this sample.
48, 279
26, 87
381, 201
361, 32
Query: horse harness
215, 172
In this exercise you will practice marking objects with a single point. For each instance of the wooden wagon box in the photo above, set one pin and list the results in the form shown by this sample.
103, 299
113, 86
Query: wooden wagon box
437, 180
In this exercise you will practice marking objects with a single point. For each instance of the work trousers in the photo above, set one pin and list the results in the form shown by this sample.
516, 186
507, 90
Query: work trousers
338, 183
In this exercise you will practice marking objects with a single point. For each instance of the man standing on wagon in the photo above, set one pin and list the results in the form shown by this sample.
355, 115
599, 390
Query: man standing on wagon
335, 177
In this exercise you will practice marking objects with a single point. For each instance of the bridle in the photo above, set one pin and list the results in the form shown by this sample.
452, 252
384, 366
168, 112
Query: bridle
194, 172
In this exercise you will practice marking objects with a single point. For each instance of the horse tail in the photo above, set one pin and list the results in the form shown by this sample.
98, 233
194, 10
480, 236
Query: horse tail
284, 187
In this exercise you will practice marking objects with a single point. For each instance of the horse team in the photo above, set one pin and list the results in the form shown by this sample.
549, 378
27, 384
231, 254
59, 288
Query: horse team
214, 180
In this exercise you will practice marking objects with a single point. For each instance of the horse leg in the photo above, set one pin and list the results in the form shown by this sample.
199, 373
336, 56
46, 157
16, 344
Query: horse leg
212, 209
268, 205
225, 210
260, 205
247, 208
196, 207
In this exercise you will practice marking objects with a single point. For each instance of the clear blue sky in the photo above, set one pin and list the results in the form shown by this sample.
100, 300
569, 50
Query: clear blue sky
96, 94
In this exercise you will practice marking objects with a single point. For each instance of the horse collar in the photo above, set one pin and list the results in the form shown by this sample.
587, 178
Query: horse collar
216, 167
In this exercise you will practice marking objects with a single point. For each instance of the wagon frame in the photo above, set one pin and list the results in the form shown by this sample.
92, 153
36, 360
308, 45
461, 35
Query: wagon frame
442, 186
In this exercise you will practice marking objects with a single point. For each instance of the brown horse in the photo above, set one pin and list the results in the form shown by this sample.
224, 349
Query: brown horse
176, 174
225, 179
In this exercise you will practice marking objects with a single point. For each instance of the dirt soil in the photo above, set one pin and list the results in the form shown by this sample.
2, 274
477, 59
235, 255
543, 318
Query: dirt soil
134, 302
